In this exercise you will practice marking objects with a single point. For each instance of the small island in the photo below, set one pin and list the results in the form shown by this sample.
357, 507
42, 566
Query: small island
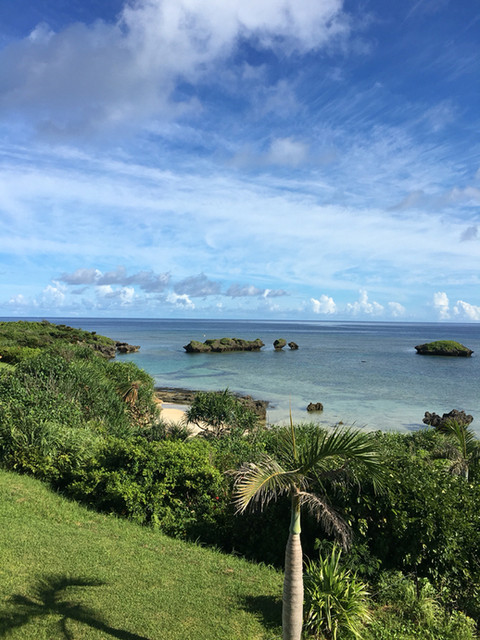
223, 344
444, 348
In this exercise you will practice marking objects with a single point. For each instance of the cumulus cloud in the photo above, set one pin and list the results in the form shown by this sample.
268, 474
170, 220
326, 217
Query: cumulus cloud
441, 304
274, 293
53, 295
18, 301
124, 295
147, 280
363, 306
197, 286
81, 276
182, 301
325, 304
249, 290
89, 77
467, 311
397, 310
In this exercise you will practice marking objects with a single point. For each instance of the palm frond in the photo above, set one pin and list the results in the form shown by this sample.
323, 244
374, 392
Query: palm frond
331, 521
320, 448
261, 483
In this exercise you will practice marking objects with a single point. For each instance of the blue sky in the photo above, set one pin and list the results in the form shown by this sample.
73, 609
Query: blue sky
300, 159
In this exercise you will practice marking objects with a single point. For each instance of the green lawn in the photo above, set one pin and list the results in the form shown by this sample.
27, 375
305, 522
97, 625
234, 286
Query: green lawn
68, 573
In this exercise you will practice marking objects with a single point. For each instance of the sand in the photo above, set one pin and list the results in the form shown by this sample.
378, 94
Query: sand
174, 413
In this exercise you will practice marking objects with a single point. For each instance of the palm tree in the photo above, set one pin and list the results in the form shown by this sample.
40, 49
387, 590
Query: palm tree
313, 456
464, 449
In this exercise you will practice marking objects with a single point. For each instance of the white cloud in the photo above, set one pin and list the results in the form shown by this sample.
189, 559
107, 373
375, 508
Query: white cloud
249, 290
18, 301
88, 78
397, 310
325, 304
468, 311
124, 295
363, 306
53, 295
182, 301
441, 304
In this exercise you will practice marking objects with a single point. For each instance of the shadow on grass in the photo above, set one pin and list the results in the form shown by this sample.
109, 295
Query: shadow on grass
48, 598
268, 607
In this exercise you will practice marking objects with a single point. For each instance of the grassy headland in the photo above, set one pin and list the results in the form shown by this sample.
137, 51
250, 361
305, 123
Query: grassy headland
102, 577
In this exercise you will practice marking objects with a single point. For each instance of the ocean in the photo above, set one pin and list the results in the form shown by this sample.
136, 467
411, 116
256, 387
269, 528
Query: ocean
366, 374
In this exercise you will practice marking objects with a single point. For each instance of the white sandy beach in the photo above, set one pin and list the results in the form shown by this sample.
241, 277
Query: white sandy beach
173, 413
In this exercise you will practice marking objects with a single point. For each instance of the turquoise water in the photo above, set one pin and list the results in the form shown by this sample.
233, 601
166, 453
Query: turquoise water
367, 374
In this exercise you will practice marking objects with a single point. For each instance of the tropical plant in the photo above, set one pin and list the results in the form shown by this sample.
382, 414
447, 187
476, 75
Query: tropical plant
464, 449
337, 603
218, 412
302, 461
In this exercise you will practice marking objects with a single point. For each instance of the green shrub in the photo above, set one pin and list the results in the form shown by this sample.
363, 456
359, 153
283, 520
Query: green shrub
220, 412
169, 484
336, 601
410, 609
54, 406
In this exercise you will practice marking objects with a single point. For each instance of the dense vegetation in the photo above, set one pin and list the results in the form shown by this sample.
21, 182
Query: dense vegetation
90, 427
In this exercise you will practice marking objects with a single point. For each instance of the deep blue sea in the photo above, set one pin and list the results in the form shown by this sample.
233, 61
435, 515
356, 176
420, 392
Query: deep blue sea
364, 373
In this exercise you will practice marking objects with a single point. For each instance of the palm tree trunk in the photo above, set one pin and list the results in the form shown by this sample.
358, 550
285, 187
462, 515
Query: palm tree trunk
292, 612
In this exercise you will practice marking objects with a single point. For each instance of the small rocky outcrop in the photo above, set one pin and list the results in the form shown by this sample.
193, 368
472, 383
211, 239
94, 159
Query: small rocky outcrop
111, 350
434, 420
293, 345
279, 344
107, 350
124, 347
315, 406
444, 348
223, 344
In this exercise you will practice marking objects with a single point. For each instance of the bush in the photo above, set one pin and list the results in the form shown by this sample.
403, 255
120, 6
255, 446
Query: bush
220, 412
410, 609
172, 485
425, 523
337, 602
59, 402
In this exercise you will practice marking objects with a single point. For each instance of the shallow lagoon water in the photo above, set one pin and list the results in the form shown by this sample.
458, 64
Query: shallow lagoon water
364, 373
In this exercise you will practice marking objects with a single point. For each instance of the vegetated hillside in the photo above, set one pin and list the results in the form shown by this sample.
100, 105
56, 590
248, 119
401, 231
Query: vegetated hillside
21, 339
69, 572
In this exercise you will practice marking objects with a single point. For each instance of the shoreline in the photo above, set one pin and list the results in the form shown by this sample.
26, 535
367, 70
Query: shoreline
184, 397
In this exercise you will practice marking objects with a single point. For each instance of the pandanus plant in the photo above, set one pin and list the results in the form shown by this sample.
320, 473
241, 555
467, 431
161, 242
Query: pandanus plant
303, 459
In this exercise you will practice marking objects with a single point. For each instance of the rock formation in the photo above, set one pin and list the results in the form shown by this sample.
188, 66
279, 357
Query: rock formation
315, 406
279, 344
438, 422
222, 345
293, 345
444, 348
111, 350
124, 347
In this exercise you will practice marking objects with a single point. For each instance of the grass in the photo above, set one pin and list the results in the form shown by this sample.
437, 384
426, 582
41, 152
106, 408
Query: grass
66, 572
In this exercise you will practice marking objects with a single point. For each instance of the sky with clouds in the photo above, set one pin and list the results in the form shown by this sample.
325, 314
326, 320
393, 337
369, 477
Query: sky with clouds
278, 159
